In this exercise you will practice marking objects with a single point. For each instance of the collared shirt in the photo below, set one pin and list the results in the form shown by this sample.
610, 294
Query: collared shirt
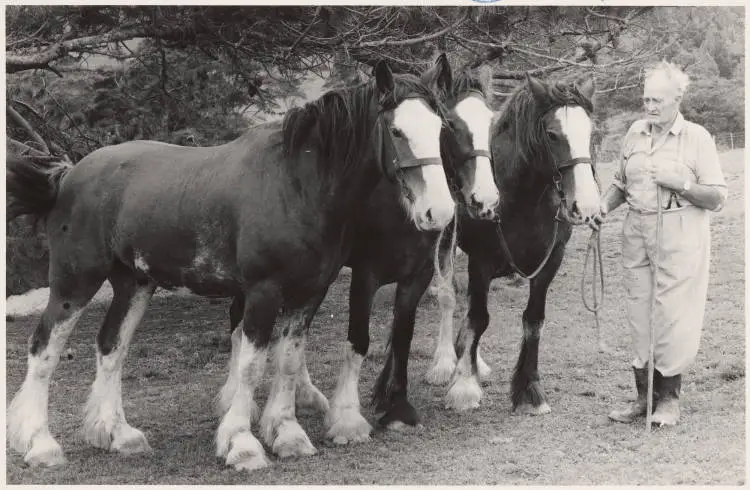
687, 147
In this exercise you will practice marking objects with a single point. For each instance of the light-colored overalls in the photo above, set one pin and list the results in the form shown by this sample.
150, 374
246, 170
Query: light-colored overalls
683, 263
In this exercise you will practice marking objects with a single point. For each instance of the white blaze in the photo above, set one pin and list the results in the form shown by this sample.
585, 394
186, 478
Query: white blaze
474, 112
422, 128
576, 126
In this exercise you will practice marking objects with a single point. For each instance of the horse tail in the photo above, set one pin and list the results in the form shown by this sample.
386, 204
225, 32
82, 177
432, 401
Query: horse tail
383, 386
32, 186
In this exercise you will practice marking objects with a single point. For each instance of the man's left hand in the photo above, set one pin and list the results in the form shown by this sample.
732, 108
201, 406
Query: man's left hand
668, 178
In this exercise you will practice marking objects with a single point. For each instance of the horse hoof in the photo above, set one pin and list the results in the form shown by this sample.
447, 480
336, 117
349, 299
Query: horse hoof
291, 441
246, 453
45, 451
349, 427
529, 409
441, 371
464, 395
401, 427
130, 441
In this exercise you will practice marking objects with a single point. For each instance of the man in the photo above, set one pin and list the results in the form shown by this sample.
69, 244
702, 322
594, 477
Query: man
664, 153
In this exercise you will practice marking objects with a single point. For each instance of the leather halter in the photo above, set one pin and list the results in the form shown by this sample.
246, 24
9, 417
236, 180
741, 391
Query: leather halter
397, 162
474, 153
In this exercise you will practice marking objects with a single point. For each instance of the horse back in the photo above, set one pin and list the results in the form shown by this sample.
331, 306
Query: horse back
170, 208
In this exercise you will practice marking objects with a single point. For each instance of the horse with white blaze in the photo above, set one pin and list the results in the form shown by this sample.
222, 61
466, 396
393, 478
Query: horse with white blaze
541, 150
265, 217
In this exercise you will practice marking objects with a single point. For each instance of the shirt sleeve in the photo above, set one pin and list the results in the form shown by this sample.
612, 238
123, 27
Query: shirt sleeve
707, 164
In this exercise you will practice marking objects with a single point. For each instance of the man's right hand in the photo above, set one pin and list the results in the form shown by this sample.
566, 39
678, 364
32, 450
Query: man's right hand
595, 222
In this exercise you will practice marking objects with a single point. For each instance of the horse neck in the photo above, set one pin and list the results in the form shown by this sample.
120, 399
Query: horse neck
343, 187
521, 182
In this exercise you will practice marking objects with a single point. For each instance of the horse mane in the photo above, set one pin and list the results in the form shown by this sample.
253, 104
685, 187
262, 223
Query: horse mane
340, 123
520, 117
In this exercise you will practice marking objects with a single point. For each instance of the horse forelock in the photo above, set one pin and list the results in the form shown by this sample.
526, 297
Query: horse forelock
465, 81
521, 116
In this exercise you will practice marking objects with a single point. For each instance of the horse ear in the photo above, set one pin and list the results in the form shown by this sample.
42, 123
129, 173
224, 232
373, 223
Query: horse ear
439, 77
536, 87
587, 88
444, 75
383, 77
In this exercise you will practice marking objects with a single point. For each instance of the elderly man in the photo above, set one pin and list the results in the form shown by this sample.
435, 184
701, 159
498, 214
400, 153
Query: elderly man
664, 153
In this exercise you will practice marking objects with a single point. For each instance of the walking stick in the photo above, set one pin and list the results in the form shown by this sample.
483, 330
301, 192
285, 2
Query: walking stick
652, 322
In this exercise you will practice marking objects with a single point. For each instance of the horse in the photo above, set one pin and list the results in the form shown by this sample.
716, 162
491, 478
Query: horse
541, 151
386, 249
265, 216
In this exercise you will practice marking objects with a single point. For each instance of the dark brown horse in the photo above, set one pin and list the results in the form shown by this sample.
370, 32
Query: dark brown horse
266, 217
541, 149
386, 249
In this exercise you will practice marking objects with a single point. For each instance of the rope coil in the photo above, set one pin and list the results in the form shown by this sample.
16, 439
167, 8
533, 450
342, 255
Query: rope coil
597, 298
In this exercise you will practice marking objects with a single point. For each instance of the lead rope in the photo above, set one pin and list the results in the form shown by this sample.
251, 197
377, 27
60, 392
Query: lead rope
597, 298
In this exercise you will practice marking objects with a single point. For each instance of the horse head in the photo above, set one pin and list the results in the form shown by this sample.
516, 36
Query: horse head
564, 130
465, 139
407, 145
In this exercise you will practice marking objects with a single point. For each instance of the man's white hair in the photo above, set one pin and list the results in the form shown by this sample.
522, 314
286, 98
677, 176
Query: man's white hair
671, 72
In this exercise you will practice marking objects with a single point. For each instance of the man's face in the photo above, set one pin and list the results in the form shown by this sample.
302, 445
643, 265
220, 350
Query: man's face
660, 99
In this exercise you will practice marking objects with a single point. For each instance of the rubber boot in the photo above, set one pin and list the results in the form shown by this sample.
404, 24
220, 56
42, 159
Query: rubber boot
637, 408
668, 411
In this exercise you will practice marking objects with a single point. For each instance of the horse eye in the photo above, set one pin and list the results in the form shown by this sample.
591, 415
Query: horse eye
397, 133
552, 136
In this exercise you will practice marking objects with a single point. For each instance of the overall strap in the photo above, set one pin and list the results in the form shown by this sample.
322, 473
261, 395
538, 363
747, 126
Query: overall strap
673, 196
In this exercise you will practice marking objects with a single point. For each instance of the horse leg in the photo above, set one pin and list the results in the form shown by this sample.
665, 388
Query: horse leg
279, 426
308, 395
444, 359
104, 423
526, 389
27, 421
399, 412
224, 398
465, 391
234, 438
344, 421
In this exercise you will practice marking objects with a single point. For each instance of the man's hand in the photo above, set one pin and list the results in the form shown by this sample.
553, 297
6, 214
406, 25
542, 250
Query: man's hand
595, 222
667, 177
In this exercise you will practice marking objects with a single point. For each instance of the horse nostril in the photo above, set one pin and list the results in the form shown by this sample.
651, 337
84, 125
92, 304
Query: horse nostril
475, 201
428, 214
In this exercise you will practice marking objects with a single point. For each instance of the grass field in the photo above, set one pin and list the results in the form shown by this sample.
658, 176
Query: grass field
178, 360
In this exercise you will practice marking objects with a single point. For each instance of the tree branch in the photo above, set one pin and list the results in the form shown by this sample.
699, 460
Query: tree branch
24, 149
304, 33
21, 121
414, 40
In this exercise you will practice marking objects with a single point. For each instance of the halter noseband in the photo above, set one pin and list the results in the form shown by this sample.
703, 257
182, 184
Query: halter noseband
399, 163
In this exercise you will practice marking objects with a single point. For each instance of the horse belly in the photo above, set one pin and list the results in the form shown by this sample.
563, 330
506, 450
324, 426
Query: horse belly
200, 280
